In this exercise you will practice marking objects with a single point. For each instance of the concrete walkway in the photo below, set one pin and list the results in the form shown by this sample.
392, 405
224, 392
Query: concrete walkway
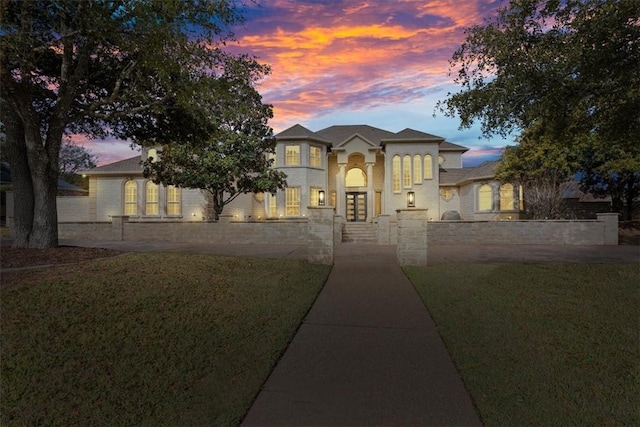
367, 353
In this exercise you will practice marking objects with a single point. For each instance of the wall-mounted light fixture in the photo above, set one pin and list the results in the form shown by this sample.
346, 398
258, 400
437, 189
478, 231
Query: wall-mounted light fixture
411, 199
321, 198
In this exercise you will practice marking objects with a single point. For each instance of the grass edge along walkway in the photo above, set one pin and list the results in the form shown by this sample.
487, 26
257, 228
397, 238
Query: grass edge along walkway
541, 344
147, 338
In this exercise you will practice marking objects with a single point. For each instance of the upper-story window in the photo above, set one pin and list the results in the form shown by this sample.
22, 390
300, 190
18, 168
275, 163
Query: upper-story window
315, 156
131, 198
173, 200
152, 154
396, 174
406, 171
292, 155
428, 167
417, 169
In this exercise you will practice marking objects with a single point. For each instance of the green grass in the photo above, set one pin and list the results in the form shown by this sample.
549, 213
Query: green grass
147, 339
541, 344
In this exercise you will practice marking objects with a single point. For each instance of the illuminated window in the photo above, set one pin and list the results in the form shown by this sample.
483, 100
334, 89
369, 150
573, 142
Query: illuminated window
520, 198
151, 198
356, 178
440, 160
332, 199
446, 193
417, 169
506, 197
273, 205
130, 198
396, 174
485, 198
173, 200
428, 167
315, 156
292, 156
292, 201
406, 171
314, 195
152, 154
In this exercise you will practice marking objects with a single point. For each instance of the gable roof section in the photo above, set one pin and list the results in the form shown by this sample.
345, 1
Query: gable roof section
339, 134
464, 175
299, 132
415, 135
448, 146
130, 166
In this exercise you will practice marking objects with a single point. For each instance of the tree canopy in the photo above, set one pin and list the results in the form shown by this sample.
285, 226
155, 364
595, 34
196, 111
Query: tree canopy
93, 68
566, 69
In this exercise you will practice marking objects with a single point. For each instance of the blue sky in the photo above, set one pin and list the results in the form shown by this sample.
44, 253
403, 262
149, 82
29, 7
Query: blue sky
378, 62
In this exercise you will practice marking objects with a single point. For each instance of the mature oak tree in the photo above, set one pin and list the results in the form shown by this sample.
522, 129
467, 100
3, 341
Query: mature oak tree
569, 70
225, 141
91, 67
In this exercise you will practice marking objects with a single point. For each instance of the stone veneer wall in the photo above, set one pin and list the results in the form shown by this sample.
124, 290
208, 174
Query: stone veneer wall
266, 232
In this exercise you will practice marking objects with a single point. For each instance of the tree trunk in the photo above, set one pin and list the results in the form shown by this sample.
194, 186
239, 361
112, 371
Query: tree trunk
23, 197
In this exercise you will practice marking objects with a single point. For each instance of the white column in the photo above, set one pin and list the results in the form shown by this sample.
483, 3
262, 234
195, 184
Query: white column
370, 195
340, 196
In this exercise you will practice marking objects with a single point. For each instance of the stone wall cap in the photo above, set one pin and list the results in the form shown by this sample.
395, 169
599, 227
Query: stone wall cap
412, 210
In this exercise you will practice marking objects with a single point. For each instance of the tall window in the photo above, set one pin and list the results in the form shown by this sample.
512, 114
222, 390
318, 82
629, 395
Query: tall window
131, 198
273, 205
292, 155
151, 198
417, 169
396, 174
406, 171
314, 196
506, 197
428, 167
173, 200
485, 198
292, 201
315, 156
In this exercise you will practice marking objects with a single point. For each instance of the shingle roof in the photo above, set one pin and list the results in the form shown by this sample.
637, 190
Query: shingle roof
448, 146
415, 134
340, 133
126, 166
460, 176
296, 130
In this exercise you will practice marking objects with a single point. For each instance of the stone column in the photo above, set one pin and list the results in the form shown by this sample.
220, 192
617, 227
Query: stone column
412, 236
320, 235
610, 220
370, 195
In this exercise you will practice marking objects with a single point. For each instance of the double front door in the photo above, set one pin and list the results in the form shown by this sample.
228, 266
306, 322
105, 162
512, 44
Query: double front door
356, 206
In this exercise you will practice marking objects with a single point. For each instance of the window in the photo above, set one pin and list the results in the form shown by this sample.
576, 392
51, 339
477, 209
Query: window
440, 160
485, 198
273, 205
315, 156
506, 197
428, 167
314, 196
396, 174
293, 201
332, 199
406, 171
292, 156
151, 198
356, 178
417, 169
130, 198
173, 200
152, 154
271, 158
446, 193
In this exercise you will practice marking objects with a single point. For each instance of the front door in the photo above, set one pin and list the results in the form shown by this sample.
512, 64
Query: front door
356, 206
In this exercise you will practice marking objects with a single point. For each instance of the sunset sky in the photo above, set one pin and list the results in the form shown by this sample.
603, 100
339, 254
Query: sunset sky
378, 62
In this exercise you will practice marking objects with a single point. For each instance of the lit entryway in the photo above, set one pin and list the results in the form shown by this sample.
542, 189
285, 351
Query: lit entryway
356, 207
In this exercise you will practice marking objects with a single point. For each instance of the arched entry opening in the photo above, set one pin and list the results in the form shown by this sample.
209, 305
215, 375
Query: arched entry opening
356, 195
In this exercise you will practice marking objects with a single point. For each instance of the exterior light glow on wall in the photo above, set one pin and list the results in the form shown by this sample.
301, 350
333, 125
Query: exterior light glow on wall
321, 198
411, 199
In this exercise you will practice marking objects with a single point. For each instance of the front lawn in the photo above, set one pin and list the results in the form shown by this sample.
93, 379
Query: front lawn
541, 344
147, 339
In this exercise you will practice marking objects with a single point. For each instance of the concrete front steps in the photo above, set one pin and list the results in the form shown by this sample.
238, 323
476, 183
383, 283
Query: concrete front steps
359, 232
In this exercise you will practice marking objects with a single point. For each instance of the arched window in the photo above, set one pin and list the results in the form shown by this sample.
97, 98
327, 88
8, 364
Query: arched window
151, 198
130, 198
485, 198
406, 171
417, 169
396, 174
506, 197
356, 178
428, 167
174, 205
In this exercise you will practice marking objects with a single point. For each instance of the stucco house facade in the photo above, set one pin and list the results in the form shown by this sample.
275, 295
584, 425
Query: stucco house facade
362, 171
